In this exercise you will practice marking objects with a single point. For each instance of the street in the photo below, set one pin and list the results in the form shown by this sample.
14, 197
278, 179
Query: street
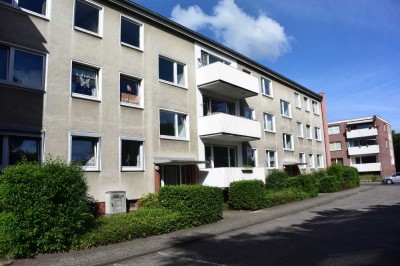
362, 229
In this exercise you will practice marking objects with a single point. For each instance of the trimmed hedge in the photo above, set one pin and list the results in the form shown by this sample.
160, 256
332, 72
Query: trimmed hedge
351, 176
246, 195
273, 198
44, 208
328, 184
276, 180
197, 204
335, 169
306, 183
149, 201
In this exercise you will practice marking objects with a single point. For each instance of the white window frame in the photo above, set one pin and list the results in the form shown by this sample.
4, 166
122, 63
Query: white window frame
10, 68
315, 107
300, 131
273, 123
99, 81
311, 163
176, 137
306, 104
320, 161
332, 130
284, 138
335, 145
97, 167
283, 103
297, 100
253, 114
100, 26
309, 132
15, 5
175, 69
302, 159
271, 95
140, 91
267, 159
318, 135
139, 168
255, 156
141, 33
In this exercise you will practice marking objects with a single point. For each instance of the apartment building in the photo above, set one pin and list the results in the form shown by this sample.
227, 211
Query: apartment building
142, 102
364, 143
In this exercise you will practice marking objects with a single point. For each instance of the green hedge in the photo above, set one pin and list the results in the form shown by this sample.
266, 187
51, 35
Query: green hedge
273, 198
306, 183
246, 195
328, 184
149, 201
276, 180
44, 208
198, 204
335, 169
351, 176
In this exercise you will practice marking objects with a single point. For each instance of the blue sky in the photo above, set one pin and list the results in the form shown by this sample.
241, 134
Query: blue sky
350, 50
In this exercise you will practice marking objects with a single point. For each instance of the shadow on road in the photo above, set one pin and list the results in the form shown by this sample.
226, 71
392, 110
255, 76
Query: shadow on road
334, 237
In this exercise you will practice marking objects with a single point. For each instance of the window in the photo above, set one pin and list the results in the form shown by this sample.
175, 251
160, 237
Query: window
335, 146
320, 161
337, 160
300, 130
220, 156
317, 132
211, 106
171, 71
132, 154
311, 160
173, 125
366, 159
266, 86
285, 109
130, 91
333, 130
302, 160
306, 104
308, 132
84, 150
14, 149
207, 58
315, 107
249, 113
22, 68
88, 17
85, 81
269, 122
297, 100
271, 159
287, 141
131, 33
36, 6
251, 157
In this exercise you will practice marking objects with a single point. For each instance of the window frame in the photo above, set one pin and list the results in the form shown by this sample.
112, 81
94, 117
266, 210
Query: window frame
318, 133
299, 125
14, 5
141, 33
283, 102
175, 72
141, 167
140, 91
271, 95
297, 100
331, 130
252, 111
100, 21
311, 162
79, 134
268, 158
309, 132
302, 159
316, 109
175, 137
11, 64
211, 164
255, 156
273, 122
98, 97
334, 143
306, 104
285, 148
320, 161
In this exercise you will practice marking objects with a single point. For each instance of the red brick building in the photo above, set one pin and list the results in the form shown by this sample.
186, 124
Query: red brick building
364, 143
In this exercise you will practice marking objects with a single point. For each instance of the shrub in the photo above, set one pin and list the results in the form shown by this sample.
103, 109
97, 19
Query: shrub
351, 177
44, 207
319, 174
328, 184
306, 183
273, 198
126, 226
198, 204
149, 201
335, 169
246, 195
276, 180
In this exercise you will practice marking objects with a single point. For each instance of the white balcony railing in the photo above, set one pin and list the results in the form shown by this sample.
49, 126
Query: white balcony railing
360, 150
221, 79
222, 177
222, 126
368, 167
359, 133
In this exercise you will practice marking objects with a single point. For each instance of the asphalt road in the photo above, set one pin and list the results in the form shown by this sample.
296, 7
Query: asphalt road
363, 229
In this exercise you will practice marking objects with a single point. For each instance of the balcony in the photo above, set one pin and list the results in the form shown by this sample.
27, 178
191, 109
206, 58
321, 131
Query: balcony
361, 150
222, 177
226, 127
223, 80
359, 133
368, 167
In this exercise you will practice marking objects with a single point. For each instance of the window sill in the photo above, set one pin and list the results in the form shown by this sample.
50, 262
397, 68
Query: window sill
135, 106
174, 138
269, 96
139, 49
172, 84
288, 117
300, 137
309, 139
88, 32
319, 140
307, 110
298, 107
269, 131
316, 114
288, 149
132, 170
20, 86
84, 97
90, 170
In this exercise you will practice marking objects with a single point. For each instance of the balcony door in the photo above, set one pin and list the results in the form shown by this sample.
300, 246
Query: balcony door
178, 175
211, 106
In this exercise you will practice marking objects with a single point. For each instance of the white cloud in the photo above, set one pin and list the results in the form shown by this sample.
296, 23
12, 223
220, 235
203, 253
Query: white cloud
253, 36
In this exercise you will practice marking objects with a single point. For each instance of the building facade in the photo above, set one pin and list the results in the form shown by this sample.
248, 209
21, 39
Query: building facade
364, 143
141, 101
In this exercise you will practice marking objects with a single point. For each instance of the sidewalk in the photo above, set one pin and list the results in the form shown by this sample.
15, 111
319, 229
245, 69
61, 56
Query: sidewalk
233, 220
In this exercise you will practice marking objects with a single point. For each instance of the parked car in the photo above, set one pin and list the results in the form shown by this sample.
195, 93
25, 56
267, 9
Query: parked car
391, 179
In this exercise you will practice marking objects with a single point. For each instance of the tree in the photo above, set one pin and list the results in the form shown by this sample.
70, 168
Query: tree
396, 147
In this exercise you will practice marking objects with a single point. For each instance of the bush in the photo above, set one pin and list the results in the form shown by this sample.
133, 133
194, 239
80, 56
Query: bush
319, 174
246, 195
276, 180
44, 207
306, 183
273, 198
198, 204
149, 201
328, 184
335, 169
351, 177
127, 226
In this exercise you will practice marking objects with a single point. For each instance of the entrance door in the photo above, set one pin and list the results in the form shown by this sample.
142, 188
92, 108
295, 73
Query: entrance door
171, 175
178, 175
